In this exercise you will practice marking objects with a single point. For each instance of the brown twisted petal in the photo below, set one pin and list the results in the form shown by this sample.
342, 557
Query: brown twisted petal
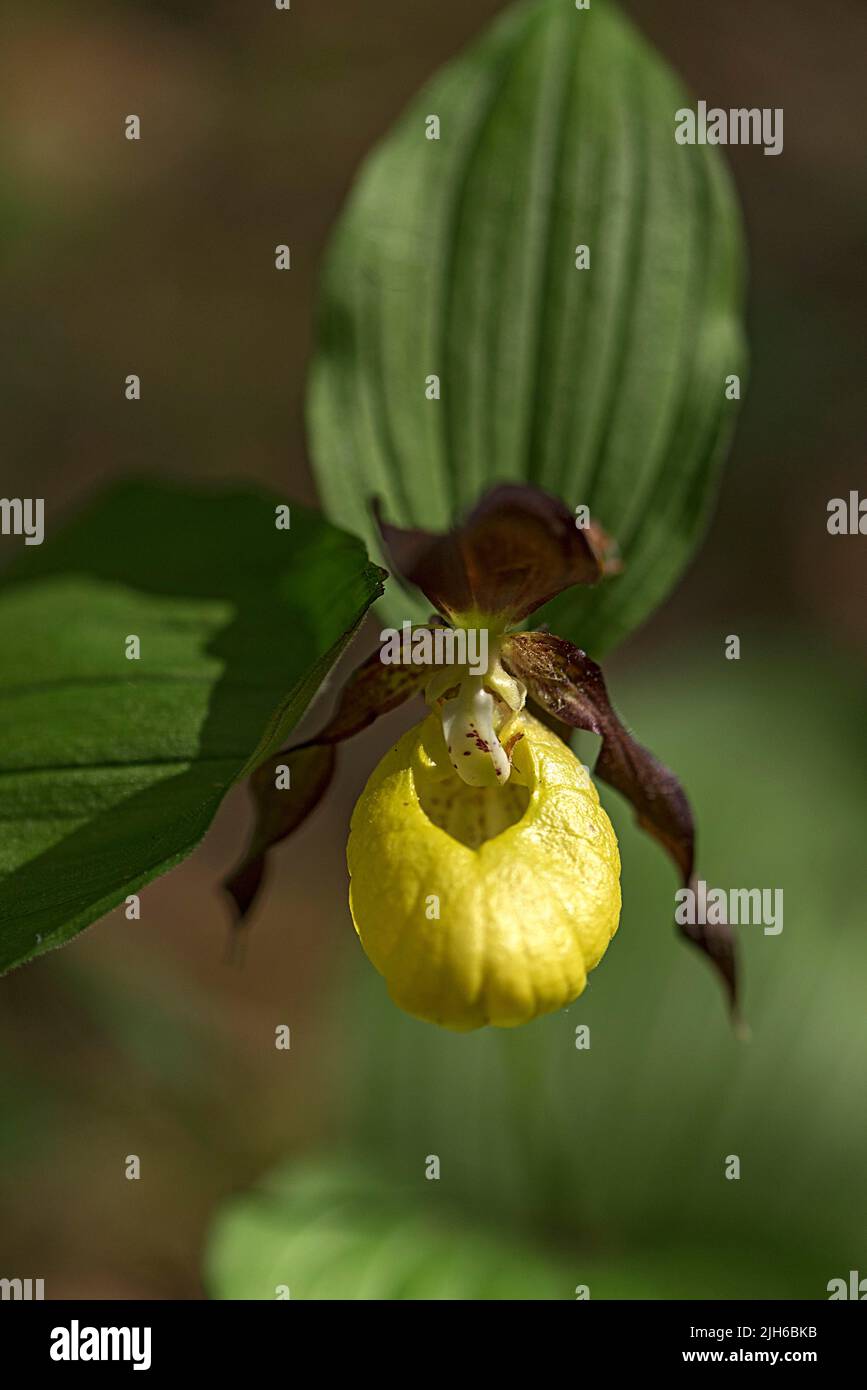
570, 687
373, 689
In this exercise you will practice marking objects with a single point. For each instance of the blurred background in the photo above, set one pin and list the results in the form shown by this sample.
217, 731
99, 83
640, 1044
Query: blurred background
603, 1167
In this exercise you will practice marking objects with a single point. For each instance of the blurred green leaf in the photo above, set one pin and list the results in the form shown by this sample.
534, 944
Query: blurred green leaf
456, 257
333, 1232
111, 769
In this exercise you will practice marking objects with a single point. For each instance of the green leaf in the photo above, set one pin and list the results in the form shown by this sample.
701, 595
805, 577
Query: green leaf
111, 769
456, 257
332, 1232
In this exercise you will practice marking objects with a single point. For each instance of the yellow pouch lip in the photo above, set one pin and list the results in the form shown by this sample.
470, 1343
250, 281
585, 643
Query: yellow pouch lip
473, 969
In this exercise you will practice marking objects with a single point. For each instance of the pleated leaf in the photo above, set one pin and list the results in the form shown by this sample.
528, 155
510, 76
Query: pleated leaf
456, 258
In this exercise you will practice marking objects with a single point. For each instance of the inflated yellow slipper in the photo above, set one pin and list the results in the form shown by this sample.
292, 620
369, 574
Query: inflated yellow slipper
485, 875
483, 904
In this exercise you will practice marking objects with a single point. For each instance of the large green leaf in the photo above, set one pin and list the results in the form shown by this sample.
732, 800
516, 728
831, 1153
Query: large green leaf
456, 257
112, 769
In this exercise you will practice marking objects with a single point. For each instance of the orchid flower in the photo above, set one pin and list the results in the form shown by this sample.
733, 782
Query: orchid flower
484, 872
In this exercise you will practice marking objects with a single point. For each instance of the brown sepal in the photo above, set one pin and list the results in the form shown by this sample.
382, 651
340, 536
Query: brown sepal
278, 813
570, 687
516, 550
373, 689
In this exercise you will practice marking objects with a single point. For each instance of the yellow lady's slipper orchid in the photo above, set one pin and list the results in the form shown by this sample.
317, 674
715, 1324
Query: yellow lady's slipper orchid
485, 875
483, 904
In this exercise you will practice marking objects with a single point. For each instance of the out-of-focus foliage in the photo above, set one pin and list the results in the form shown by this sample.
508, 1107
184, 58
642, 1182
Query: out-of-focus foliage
333, 1232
